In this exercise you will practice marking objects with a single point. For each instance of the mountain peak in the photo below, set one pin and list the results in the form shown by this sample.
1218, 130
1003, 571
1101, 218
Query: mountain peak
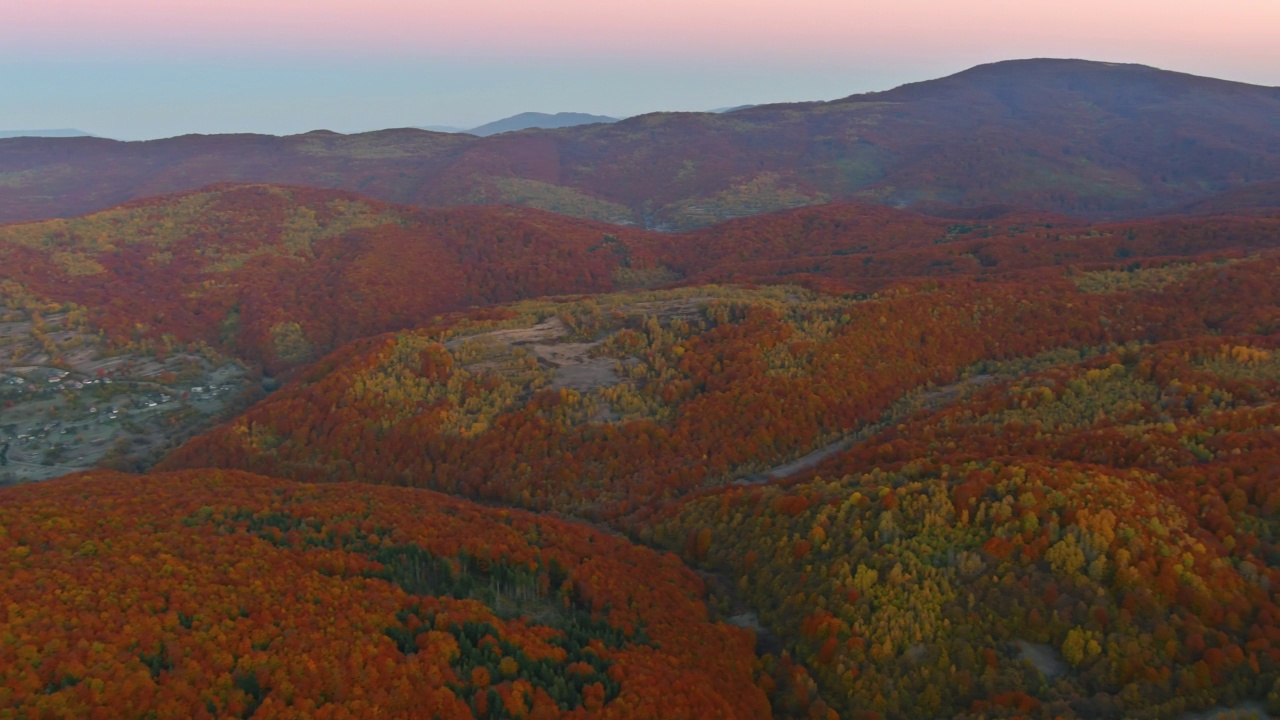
1046, 64
1080, 76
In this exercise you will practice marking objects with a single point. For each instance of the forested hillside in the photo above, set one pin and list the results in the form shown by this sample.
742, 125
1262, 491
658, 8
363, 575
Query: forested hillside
282, 275
1086, 540
656, 394
218, 594
837, 461
1020, 507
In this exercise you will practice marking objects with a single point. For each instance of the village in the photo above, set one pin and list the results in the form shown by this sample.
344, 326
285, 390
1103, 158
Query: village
69, 403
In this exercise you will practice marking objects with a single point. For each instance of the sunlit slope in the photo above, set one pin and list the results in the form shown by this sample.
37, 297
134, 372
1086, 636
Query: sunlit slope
606, 406
1090, 540
282, 275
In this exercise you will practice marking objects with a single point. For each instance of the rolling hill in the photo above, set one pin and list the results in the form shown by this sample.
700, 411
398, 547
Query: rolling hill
279, 276
646, 389
1090, 539
1065, 136
1040, 496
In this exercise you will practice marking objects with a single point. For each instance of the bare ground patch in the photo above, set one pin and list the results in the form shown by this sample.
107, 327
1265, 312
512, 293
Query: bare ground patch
545, 331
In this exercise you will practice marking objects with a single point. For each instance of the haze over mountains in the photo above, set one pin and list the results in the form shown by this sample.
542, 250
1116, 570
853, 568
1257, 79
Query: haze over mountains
524, 121
1068, 136
530, 120
54, 133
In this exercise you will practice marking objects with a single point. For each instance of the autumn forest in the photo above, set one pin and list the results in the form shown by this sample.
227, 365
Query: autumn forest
796, 449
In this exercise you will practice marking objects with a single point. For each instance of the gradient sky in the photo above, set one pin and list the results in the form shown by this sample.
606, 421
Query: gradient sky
133, 69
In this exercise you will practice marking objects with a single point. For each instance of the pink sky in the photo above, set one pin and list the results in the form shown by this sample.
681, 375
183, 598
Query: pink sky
153, 68
1239, 31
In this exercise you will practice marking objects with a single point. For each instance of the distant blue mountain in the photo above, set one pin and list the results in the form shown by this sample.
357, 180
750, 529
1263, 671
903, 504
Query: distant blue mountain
529, 120
59, 133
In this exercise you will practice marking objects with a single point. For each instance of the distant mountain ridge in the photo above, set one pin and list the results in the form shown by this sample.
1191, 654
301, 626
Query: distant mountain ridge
524, 121
54, 133
441, 128
1088, 139
547, 121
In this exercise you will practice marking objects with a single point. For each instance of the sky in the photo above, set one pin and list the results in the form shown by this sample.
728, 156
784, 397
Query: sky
140, 69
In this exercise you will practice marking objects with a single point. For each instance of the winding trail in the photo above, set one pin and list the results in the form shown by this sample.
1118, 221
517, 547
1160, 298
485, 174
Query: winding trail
805, 462
931, 400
